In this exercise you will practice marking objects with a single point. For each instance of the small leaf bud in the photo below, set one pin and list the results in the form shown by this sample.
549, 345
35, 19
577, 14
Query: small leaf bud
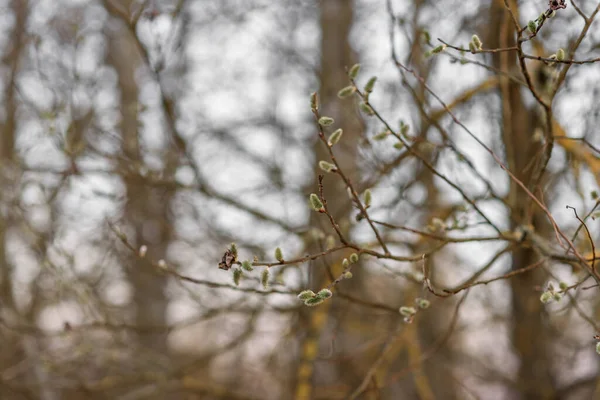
316, 203
326, 121
370, 84
346, 92
264, 278
324, 293
407, 311
237, 274
278, 254
247, 265
306, 294
335, 137
353, 72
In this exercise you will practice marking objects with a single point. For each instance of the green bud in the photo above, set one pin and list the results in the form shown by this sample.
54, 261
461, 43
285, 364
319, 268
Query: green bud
399, 145
278, 254
353, 258
353, 72
347, 91
264, 278
247, 265
347, 275
532, 26
546, 297
552, 14
594, 195
335, 137
368, 198
438, 49
324, 293
563, 285
237, 274
404, 129
477, 42
367, 109
427, 54
234, 250
557, 296
329, 242
326, 121
327, 167
381, 135
560, 54
426, 37
472, 47
306, 294
370, 84
345, 263
422, 303
407, 311
313, 301
314, 101
315, 203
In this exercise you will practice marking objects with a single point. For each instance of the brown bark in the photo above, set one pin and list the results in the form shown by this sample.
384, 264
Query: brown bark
336, 18
146, 209
530, 341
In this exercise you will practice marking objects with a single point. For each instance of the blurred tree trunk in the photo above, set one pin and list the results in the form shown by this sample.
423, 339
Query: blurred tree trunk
21, 347
147, 208
529, 336
336, 19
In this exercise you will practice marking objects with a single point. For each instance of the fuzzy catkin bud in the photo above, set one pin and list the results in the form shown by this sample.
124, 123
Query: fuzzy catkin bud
370, 84
438, 49
546, 297
324, 294
381, 135
532, 26
306, 294
407, 311
313, 301
264, 278
314, 101
278, 254
247, 265
335, 137
560, 55
315, 203
368, 198
346, 92
353, 72
327, 167
237, 274
326, 121
477, 42
367, 109
353, 258
426, 37
422, 303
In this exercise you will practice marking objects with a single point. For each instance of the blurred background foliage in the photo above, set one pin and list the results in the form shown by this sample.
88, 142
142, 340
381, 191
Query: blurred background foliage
139, 138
